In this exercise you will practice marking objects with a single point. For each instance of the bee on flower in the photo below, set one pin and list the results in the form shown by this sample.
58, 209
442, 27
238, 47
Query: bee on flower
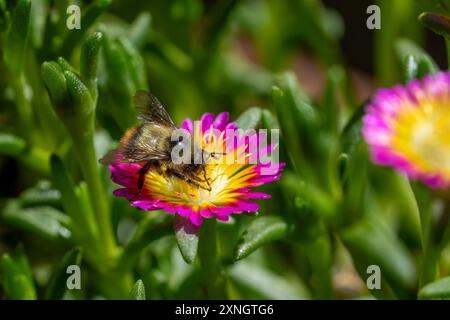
204, 169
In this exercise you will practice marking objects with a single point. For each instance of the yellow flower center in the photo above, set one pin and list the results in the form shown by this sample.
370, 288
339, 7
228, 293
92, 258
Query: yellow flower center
422, 134
224, 179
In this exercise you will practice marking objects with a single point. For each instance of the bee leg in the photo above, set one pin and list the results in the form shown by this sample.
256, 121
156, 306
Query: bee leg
206, 179
210, 155
141, 178
190, 180
214, 154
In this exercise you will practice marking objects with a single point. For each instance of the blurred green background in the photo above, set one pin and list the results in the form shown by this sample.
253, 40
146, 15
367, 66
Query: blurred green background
304, 66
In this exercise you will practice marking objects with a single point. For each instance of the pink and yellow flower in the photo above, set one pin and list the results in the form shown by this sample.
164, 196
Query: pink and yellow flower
231, 184
408, 128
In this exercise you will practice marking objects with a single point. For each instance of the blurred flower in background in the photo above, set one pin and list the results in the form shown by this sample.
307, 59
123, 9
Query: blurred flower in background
407, 127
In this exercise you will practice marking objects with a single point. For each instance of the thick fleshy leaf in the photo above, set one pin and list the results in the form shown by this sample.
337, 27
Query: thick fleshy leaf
269, 121
372, 243
438, 23
253, 279
73, 203
17, 278
149, 229
15, 146
439, 289
89, 61
259, 232
295, 106
43, 220
249, 119
17, 37
41, 194
410, 68
351, 134
442, 6
55, 82
11, 144
140, 29
426, 64
334, 85
299, 125
57, 285
138, 291
186, 235
355, 181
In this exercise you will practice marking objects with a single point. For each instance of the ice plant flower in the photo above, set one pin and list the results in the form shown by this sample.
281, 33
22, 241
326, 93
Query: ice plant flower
408, 128
231, 185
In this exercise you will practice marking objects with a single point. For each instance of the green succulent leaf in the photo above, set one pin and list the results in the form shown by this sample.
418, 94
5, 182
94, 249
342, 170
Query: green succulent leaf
138, 291
351, 134
436, 22
410, 68
41, 194
372, 243
15, 146
335, 83
55, 83
269, 121
439, 289
256, 279
355, 180
11, 144
249, 119
186, 235
73, 201
426, 64
17, 36
89, 61
149, 229
140, 29
17, 278
442, 6
259, 232
45, 221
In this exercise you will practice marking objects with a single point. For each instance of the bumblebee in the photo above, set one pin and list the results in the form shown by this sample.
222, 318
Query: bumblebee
150, 144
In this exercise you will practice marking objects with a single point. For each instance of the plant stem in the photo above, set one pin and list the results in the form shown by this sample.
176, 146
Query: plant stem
85, 149
430, 252
429, 265
319, 252
209, 260
24, 108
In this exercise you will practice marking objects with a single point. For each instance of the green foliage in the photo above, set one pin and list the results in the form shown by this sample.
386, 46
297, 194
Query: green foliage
439, 289
138, 291
17, 276
186, 235
66, 98
259, 232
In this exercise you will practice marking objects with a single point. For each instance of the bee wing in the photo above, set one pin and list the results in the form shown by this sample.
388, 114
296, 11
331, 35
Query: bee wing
125, 156
150, 109
116, 156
